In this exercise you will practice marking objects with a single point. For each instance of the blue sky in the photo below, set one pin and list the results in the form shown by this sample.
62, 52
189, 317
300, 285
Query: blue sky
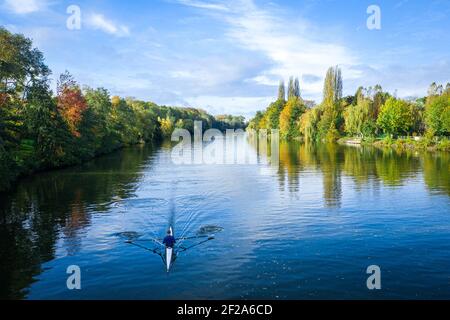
227, 56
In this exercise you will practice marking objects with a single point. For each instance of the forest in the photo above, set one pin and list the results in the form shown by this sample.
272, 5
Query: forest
371, 115
41, 130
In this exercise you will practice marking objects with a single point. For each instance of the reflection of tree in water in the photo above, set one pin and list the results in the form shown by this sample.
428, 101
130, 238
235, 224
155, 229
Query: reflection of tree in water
393, 167
76, 220
436, 169
365, 165
330, 161
359, 163
289, 168
40, 209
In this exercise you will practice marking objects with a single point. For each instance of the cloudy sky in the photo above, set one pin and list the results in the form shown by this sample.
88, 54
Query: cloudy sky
227, 56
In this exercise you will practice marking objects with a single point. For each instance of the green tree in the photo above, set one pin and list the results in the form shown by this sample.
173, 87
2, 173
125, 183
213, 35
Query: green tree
358, 119
333, 86
255, 123
290, 117
45, 126
309, 124
395, 117
437, 114
332, 112
21, 65
273, 114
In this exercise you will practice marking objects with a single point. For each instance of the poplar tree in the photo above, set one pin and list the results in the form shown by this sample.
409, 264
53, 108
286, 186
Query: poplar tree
296, 88
281, 91
291, 88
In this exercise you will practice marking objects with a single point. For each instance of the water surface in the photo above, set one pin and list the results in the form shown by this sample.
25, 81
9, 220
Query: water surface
308, 229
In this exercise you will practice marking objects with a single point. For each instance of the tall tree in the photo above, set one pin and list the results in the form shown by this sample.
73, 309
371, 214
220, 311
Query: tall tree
296, 88
281, 91
434, 89
333, 86
338, 84
332, 94
291, 88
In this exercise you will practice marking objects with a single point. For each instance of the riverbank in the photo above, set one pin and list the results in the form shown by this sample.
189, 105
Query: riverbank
28, 167
402, 144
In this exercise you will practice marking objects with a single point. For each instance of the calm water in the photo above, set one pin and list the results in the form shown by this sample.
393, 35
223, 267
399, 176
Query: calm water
306, 230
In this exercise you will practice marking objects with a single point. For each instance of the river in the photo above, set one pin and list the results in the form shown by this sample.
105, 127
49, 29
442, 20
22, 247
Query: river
305, 230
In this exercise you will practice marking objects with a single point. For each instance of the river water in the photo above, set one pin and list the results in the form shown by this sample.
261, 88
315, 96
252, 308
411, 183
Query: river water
306, 229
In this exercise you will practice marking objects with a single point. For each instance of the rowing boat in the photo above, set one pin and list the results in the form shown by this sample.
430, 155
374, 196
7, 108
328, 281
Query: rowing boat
169, 253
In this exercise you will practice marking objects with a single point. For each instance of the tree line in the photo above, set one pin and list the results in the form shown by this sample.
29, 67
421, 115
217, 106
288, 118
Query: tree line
368, 114
41, 130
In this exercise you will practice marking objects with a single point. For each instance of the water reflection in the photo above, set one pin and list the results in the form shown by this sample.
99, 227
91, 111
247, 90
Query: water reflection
436, 170
44, 208
364, 165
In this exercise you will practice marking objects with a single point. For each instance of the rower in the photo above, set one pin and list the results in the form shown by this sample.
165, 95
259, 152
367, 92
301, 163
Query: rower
169, 240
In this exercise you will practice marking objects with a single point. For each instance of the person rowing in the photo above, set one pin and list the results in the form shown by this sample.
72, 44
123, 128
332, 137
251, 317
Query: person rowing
169, 242
172, 245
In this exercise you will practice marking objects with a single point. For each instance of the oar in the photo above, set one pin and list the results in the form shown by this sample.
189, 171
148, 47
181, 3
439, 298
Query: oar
193, 237
195, 245
145, 248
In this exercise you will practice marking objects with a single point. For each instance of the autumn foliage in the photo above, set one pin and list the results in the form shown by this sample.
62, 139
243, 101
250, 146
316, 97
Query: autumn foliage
71, 102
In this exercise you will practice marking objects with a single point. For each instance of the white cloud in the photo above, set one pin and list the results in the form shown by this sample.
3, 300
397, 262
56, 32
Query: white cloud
204, 5
292, 46
100, 22
25, 6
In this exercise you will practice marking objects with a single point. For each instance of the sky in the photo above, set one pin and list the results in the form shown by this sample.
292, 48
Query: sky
228, 56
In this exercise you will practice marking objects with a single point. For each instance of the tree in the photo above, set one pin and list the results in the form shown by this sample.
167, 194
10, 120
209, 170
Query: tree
379, 99
289, 118
296, 88
332, 91
46, 127
332, 114
273, 114
167, 126
291, 88
281, 91
435, 90
437, 114
358, 119
71, 102
21, 65
255, 123
395, 117
309, 123
100, 105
